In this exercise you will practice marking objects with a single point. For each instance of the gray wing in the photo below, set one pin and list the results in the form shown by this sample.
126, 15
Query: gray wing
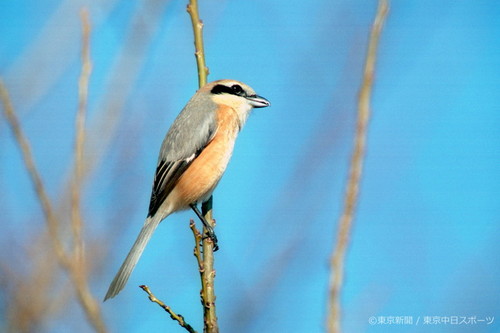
190, 133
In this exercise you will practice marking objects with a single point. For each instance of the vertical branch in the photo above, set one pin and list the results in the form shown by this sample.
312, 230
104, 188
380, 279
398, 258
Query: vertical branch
78, 267
352, 190
76, 184
207, 271
192, 9
203, 251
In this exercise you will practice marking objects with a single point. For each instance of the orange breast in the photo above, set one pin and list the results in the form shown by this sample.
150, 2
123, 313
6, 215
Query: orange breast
200, 179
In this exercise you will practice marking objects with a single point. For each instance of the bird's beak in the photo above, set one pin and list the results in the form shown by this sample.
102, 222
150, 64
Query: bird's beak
258, 101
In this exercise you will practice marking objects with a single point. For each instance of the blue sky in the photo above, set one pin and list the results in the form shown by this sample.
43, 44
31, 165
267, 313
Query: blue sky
425, 240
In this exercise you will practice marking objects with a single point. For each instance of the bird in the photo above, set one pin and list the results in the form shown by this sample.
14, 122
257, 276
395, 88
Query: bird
193, 157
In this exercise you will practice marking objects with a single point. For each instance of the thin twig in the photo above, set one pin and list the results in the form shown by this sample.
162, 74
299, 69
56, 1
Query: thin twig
89, 304
78, 268
199, 53
197, 241
76, 184
36, 179
352, 190
207, 273
177, 317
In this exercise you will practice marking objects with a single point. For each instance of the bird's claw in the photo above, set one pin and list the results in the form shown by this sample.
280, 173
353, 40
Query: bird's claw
211, 234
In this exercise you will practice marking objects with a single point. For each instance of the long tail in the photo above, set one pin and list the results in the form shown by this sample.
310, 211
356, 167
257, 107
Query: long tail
133, 256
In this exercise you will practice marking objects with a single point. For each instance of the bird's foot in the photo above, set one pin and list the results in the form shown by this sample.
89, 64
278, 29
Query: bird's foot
209, 230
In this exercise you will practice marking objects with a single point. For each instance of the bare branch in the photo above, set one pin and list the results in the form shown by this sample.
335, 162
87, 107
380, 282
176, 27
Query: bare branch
72, 266
352, 190
199, 53
207, 274
197, 241
78, 268
29, 163
76, 184
177, 317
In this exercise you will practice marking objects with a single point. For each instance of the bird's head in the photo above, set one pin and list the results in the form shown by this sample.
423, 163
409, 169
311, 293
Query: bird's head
234, 94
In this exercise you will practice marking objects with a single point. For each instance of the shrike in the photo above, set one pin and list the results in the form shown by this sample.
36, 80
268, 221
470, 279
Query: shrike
193, 157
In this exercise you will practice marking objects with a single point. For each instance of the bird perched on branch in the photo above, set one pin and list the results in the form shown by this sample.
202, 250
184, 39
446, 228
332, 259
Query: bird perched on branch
193, 157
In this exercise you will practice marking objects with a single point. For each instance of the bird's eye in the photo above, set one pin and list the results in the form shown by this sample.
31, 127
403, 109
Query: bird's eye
237, 89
